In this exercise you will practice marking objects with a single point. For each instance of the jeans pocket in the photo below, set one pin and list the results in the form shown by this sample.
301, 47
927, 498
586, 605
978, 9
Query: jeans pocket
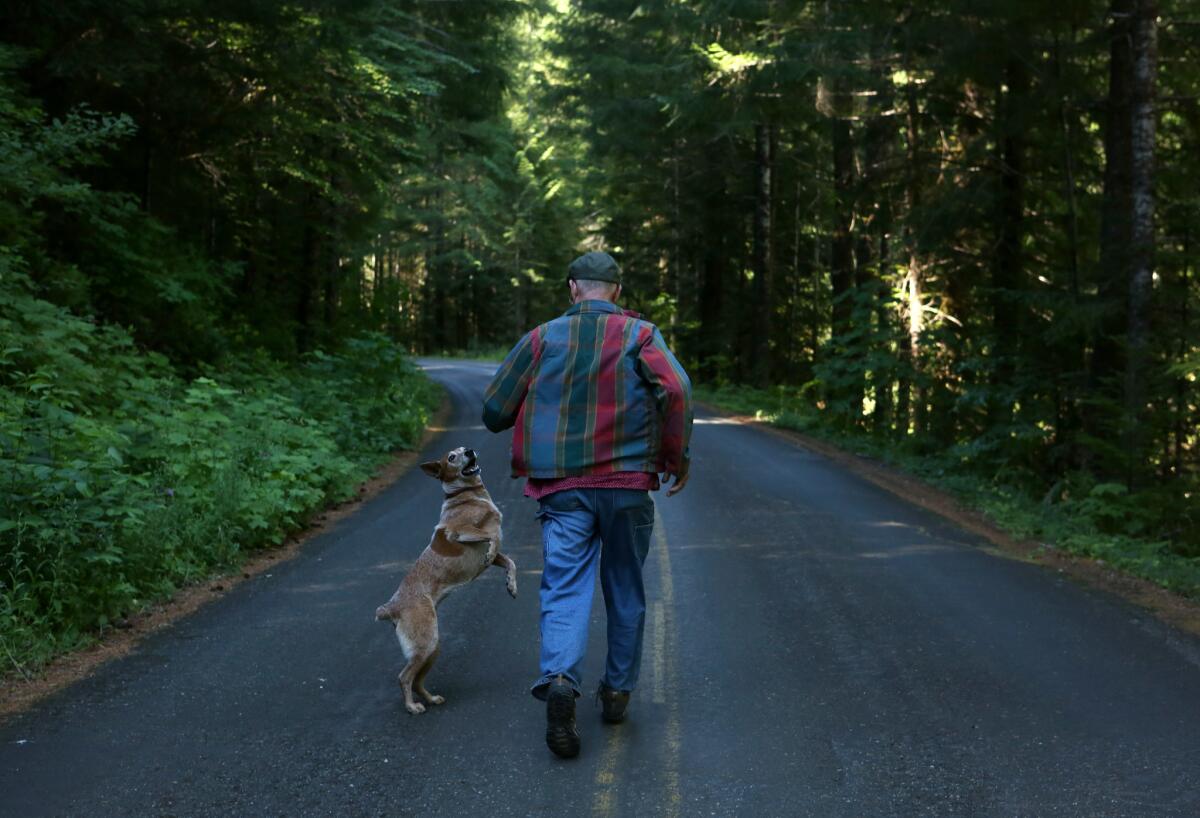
641, 513
641, 540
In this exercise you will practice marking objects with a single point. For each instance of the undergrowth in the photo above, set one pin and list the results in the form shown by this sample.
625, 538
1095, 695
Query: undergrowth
120, 480
1076, 513
491, 354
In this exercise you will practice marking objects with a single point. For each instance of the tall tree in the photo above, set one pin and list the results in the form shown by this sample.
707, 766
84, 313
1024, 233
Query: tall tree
1141, 267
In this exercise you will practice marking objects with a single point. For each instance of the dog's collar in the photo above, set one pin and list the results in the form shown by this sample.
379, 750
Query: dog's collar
457, 492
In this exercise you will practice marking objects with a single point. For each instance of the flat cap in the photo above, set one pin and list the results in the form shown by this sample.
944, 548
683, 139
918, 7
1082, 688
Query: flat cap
595, 266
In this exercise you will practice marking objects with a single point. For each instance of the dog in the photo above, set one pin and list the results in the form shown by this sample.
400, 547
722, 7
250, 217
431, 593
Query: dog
465, 542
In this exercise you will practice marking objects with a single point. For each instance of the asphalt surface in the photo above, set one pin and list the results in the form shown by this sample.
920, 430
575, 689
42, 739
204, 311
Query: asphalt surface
814, 646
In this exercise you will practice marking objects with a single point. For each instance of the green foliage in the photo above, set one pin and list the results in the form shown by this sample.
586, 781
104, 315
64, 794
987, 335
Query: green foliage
907, 215
95, 250
904, 213
311, 170
121, 480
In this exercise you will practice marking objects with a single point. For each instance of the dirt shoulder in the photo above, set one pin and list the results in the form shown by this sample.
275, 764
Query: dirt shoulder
18, 693
1169, 607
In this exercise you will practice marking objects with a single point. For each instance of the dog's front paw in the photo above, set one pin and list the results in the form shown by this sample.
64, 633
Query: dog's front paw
416, 708
435, 699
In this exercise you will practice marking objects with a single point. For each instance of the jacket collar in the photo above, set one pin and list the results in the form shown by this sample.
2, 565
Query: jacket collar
593, 305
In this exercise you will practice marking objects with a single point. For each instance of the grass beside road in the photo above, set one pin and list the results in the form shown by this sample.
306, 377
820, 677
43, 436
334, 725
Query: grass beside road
123, 480
1077, 515
483, 353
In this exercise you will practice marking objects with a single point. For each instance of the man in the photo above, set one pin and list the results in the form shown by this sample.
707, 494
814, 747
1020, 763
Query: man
601, 408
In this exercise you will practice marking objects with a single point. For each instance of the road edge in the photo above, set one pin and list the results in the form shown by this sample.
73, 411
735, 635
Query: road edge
18, 695
1171, 608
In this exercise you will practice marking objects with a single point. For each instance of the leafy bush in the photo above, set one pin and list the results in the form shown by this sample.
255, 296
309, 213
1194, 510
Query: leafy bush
120, 480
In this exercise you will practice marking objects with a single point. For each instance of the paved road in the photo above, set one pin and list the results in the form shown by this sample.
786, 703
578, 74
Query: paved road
814, 646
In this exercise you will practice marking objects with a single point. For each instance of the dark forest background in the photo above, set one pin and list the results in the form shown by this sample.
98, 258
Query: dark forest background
955, 230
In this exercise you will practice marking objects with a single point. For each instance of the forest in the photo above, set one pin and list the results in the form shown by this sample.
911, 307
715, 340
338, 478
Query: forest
960, 236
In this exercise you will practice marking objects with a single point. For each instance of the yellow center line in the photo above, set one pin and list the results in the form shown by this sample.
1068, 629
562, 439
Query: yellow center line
670, 675
658, 656
664, 677
606, 775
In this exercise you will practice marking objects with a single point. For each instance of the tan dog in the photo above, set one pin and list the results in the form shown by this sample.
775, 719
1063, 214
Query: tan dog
465, 542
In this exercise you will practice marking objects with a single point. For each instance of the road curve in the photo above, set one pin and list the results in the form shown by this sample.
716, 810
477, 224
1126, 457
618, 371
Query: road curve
814, 646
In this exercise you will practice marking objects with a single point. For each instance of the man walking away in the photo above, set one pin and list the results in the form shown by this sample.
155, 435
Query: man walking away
600, 407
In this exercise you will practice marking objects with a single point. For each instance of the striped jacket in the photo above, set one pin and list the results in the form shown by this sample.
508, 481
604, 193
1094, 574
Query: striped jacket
594, 391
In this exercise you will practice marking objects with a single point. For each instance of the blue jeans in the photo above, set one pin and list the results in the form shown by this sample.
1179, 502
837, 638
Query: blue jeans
580, 528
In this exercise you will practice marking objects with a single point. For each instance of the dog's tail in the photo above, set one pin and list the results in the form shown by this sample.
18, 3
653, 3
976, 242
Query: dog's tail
384, 612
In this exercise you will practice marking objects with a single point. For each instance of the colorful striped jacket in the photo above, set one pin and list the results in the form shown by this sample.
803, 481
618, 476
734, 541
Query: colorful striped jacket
594, 391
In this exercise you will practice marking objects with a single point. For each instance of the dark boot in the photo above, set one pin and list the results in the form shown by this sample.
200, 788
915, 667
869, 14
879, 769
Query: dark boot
613, 704
561, 735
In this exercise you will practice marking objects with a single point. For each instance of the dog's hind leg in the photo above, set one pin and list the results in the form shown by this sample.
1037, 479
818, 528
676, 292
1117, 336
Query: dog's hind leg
419, 681
510, 571
406, 682
418, 634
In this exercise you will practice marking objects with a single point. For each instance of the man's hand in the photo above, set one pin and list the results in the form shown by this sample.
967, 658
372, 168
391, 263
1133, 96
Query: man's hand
681, 478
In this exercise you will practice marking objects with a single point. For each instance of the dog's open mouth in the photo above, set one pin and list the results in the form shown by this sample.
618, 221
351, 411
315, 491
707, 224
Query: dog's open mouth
472, 467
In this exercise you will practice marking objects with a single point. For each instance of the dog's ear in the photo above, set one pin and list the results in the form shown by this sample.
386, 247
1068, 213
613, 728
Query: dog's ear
433, 468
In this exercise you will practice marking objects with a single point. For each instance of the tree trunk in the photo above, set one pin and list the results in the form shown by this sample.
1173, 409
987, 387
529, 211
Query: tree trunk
910, 399
882, 419
333, 268
764, 138
800, 355
147, 185
1115, 223
713, 333
675, 284
1182, 406
1141, 271
873, 212
841, 265
1073, 356
1008, 270
310, 253
519, 318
